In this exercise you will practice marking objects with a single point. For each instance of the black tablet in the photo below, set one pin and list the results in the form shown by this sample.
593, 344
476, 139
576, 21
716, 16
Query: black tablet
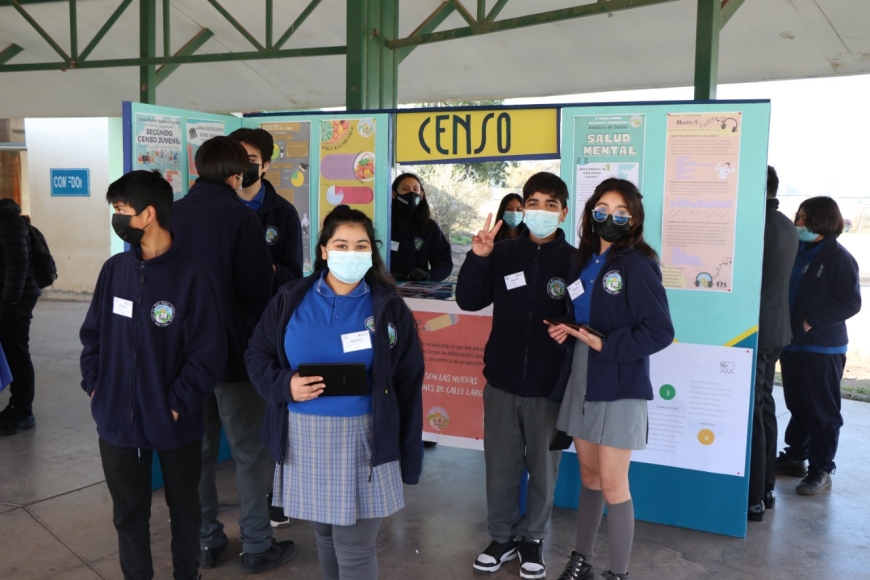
341, 379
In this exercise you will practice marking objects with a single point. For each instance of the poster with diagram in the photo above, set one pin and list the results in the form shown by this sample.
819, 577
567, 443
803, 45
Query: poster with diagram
159, 146
347, 165
198, 132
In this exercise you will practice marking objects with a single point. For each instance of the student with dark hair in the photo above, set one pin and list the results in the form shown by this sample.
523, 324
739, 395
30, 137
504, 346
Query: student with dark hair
418, 248
279, 218
510, 211
154, 346
616, 289
217, 228
823, 293
342, 459
525, 281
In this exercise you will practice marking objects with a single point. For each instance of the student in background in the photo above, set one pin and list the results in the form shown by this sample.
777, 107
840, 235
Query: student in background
510, 212
342, 459
419, 250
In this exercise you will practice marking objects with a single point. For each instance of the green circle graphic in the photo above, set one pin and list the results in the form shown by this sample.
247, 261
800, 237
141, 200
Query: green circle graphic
667, 392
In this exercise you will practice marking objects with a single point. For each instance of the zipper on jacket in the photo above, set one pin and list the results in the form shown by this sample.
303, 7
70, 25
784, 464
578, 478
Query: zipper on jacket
136, 342
531, 308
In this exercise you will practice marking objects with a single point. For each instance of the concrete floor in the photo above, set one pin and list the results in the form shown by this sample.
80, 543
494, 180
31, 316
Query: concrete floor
56, 522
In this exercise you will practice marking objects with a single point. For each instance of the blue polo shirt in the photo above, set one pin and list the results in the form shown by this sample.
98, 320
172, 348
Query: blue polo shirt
313, 335
582, 303
256, 203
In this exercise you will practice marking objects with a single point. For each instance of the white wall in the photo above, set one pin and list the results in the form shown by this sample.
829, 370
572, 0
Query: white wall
77, 229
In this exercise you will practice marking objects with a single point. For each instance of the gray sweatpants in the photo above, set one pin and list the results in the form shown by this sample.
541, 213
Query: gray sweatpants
348, 552
240, 410
517, 432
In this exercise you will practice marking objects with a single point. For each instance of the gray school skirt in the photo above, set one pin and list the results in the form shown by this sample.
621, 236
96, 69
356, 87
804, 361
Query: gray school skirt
621, 424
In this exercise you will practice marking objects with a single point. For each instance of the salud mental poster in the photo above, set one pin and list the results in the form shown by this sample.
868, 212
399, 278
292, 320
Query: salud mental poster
347, 165
158, 146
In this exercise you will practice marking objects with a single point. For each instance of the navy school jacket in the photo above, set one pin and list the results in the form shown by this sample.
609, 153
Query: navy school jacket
429, 252
216, 227
283, 236
397, 376
630, 307
520, 357
166, 355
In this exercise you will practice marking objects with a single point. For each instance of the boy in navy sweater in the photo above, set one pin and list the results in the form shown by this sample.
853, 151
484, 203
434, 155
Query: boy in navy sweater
154, 345
525, 281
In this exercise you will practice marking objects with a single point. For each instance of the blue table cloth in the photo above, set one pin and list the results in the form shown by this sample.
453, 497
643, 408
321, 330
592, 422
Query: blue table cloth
5, 373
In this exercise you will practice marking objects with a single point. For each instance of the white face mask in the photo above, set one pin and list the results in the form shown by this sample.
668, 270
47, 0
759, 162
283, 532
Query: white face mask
541, 223
349, 267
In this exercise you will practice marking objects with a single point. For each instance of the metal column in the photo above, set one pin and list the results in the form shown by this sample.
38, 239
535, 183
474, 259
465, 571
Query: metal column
707, 49
148, 49
372, 66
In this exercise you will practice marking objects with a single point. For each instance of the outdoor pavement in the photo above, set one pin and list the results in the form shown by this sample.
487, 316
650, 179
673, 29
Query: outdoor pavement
56, 513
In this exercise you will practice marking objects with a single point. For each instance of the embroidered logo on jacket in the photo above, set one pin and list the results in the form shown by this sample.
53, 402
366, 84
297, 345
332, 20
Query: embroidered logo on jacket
556, 288
418, 243
163, 313
394, 336
271, 235
370, 323
613, 282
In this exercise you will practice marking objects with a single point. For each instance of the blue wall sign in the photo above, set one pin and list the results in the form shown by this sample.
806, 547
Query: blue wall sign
71, 182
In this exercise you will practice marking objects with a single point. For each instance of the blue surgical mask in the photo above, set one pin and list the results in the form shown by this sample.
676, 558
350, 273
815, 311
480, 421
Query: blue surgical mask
349, 267
805, 235
541, 223
513, 218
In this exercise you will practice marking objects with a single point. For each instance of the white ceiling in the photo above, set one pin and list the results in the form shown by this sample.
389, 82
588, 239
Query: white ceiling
646, 47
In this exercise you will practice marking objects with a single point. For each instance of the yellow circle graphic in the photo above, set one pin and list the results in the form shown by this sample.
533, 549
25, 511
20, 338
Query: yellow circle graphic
706, 437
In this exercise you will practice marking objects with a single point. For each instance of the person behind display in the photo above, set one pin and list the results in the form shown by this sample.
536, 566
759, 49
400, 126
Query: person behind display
418, 248
510, 212
618, 292
365, 446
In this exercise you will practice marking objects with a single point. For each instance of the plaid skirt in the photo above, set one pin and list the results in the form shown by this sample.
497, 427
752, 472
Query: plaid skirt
327, 475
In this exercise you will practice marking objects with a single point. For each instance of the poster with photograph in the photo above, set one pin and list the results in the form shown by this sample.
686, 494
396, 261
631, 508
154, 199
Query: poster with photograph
158, 146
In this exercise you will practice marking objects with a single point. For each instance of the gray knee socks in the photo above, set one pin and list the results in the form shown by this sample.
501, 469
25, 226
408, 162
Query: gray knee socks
589, 514
620, 524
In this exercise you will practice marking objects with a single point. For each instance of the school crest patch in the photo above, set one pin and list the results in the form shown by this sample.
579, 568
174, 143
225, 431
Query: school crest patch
162, 313
613, 282
418, 243
394, 336
556, 288
370, 323
271, 235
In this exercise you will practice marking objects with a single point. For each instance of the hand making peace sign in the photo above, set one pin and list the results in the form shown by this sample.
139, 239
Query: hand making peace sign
483, 242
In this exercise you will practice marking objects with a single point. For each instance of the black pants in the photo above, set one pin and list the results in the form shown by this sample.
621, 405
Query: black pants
15, 338
128, 475
762, 468
811, 384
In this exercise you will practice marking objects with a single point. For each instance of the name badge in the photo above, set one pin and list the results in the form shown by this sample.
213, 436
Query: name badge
354, 341
515, 280
576, 289
122, 307
394, 246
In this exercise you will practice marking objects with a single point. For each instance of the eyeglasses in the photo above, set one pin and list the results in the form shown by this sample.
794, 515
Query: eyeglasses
620, 217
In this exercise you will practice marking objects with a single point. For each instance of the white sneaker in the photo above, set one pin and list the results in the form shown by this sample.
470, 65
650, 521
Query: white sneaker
496, 554
532, 559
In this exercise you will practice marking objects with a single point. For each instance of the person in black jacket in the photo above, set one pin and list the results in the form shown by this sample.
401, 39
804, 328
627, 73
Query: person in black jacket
418, 248
342, 459
774, 332
154, 345
279, 217
525, 281
216, 227
17, 301
823, 293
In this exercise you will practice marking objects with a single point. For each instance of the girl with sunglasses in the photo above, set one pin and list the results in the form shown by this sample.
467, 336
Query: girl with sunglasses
617, 293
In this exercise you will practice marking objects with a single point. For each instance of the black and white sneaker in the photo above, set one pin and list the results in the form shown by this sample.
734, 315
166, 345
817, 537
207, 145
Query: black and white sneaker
532, 559
276, 515
496, 554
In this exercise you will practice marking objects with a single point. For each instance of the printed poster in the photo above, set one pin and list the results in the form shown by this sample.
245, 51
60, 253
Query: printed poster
158, 146
347, 165
697, 419
606, 146
702, 166
198, 132
288, 173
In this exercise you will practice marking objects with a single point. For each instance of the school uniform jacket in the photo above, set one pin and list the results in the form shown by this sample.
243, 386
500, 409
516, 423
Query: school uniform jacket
283, 236
430, 252
397, 376
163, 352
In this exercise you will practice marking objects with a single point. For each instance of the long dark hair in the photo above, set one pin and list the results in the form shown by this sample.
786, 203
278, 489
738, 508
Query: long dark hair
590, 243
343, 215
422, 216
503, 231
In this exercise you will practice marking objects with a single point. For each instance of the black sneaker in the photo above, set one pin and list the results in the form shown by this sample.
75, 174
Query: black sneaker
279, 553
578, 568
496, 554
276, 515
12, 422
789, 467
816, 482
608, 575
769, 500
755, 513
532, 559
208, 557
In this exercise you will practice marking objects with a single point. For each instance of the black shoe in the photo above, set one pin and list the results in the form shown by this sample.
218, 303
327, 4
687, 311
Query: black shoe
789, 467
769, 500
429, 444
816, 482
532, 559
496, 554
279, 553
578, 568
756, 512
208, 557
608, 575
12, 422
276, 515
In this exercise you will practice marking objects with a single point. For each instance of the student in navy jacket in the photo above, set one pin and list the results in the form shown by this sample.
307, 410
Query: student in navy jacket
342, 459
525, 281
227, 237
617, 291
279, 217
418, 248
154, 347
823, 293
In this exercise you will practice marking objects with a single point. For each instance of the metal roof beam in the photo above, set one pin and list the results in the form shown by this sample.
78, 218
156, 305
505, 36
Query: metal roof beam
729, 7
496, 10
102, 32
236, 24
297, 23
26, 15
429, 25
707, 49
9, 53
191, 47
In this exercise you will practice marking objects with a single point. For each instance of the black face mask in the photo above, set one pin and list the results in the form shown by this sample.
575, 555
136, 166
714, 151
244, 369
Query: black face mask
122, 227
609, 231
406, 202
251, 175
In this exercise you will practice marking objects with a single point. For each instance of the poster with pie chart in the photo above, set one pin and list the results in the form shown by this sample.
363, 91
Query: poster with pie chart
347, 164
